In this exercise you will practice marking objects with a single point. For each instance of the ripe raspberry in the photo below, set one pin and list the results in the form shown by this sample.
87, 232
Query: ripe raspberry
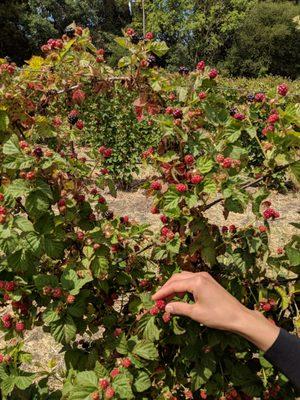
239, 116
160, 304
101, 200
149, 36
201, 65
47, 290
103, 383
95, 396
202, 95
280, 250
166, 317
7, 324
104, 171
227, 163
117, 332
267, 129
10, 286
224, 229
96, 246
203, 394
282, 89
232, 228
266, 307
30, 176
114, 248
177, 113
164, 219
154, 210
126, 362
260, 97
233, 393
165, 231
154, 310
130, 32
23, 145
273, 118
169, 110
57, 293
70, 299
270, 213
189, 159
107, 153
156, 185
20, 326
80, 235
262, 228
80, 124
196, 179
6, 318
124, 219
101, 149
220, 158
114, 372
109, 393
213, 74
181, 187
78, 96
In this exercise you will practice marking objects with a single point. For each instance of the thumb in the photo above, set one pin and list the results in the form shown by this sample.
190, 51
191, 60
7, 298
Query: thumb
179, 308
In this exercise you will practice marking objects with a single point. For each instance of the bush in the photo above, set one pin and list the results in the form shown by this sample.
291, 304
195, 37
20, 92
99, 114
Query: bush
267, 42
86, 276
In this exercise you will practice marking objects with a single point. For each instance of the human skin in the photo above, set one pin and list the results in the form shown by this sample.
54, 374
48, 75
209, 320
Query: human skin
216, 308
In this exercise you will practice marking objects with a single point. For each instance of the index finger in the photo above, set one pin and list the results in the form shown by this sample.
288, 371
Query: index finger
178, 286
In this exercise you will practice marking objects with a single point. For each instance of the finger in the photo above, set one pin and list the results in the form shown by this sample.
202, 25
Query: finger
180, 308
176, 277
178, 286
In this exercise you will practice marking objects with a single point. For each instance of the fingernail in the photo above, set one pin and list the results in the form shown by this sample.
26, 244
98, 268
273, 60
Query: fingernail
169, 308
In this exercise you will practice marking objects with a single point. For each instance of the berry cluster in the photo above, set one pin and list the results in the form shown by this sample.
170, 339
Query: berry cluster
106, 152
267, 304
270, 213
227, 162
9, 323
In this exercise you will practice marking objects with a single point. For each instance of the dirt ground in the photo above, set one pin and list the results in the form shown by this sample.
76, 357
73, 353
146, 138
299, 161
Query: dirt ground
46, 352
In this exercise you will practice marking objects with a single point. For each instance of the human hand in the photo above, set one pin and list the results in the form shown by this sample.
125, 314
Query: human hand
216, 308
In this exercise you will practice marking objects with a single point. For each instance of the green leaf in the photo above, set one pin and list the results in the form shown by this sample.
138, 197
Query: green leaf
148, 327
205, 164
54, 248
85, 384
159, 48
146, 350
18, 188
293, 256
37, 203
100, 370
64, 330
99, 266
23, 382
285, 298
4, 120
259, 196
122, 41
203, 371
142, 382
124, 62
41, 281
122, 385
11, 147
23, 223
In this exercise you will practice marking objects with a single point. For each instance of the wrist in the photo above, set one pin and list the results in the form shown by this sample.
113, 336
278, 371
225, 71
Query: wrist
257, 329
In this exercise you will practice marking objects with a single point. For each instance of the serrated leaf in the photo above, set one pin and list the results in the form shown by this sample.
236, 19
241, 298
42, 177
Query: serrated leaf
122, 385
146, 350
11, 147
142, 382
4, 120
205, 164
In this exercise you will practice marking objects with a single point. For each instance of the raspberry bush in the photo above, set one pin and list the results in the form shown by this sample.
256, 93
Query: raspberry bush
70, 265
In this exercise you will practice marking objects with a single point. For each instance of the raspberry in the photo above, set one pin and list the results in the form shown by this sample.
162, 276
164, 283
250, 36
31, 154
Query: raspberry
103, 383
7, 324
164, 219
70, 299
6, 297
166, 317
220, 158
202, 95
239, 116
154, 210
270, 213
260, 97
233, 393
273, 118
109, 393
282, 89
266, 307
169, 110
6, 318
10, 286
101, 149
107, 153
23, 145
189, 159
96, 246
203, 394
1, 358
267, 129
196, 179
232, 228
156, 185
117, 332
126, 362
188, 395
47, 290
57, 293
177, 113
262, 228
165, 231
104, 171
154, 310
181, 187
101, 200
80, 235
177, 122
30, 176
224, 229
95, 396
114, 372
149, 36
100, 52
213, 74
280, 250
1, 197
124, 219
20, 326
227, 163
80, 124
130, 32
160, 304
201, 65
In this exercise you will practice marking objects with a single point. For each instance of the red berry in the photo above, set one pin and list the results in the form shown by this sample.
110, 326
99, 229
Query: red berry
224, 229
227, 163
1, 358
7, 324
177, 113
104, 171
280, 250
202, 95
154, 310
95, 396
103, 383
166, 317
149, 36
79, 124
126, 362
125, 219
164, 231
273, 118
101, 149
282, 89
114, 372
201, 65
220, 158
239, 116
189, 159
164, 219
154, 210
160, 304
80, 235
169, 110
181, 187
262, 228
203, 394
260, 97
117, 332
70, 299
78, 96
1, 197
130, 32
20, 326
232, 228
266, 307
10, 286
2, 284
101, 200
213, 74
6, 318
107, 153
196, 179
109, 393
57, 293
156, 185
30, 176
